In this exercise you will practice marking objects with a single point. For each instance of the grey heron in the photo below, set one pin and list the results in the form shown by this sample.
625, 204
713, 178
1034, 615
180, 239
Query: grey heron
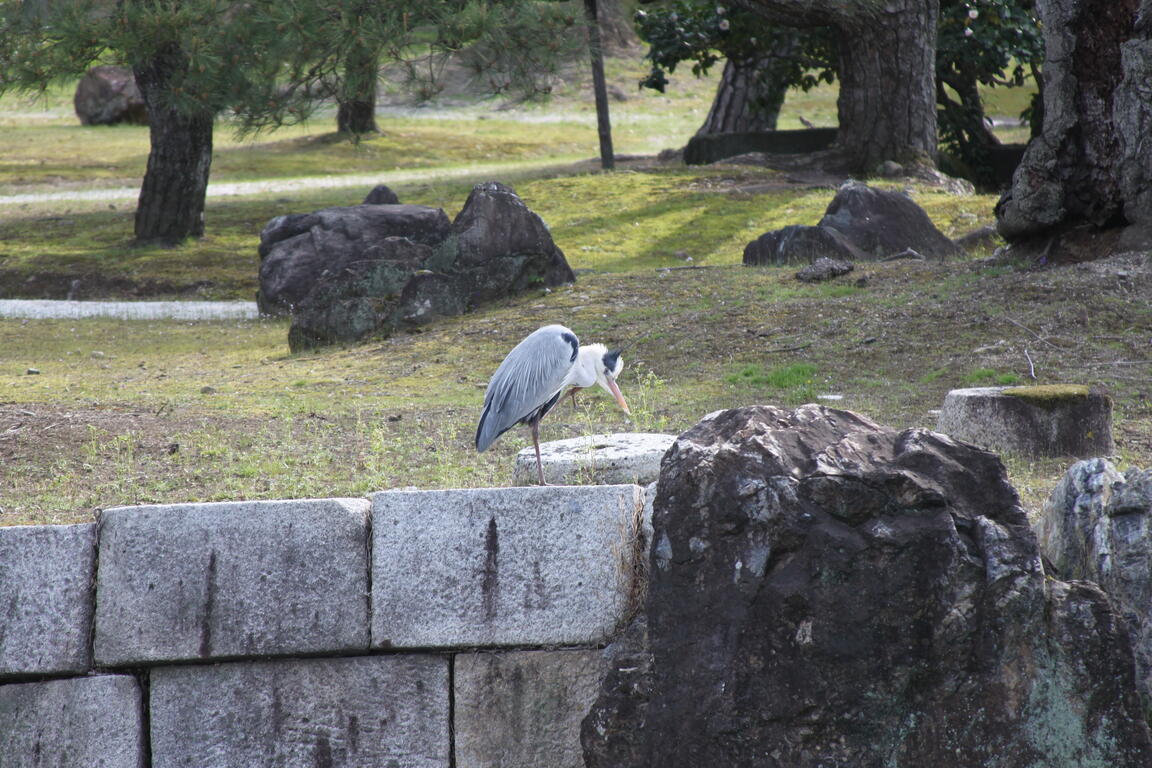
535, 375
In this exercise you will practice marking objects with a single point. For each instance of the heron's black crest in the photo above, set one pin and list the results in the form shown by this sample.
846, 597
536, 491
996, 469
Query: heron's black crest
611, 360
575, 344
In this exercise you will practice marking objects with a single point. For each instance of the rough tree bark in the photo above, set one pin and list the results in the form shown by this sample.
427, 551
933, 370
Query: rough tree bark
356, 107
1090, 169
171, 204
887, 106
748, 98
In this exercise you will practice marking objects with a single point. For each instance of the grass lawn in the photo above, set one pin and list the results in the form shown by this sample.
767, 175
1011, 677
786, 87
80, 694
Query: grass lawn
126, 412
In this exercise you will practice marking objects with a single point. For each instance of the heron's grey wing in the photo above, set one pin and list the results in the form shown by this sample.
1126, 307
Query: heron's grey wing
531, 375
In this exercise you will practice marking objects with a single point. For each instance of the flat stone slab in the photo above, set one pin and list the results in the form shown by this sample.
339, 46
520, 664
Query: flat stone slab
503, 566
46, 574
199, 581
626, 457
1030, 421
360, 712
523, 709
83, 721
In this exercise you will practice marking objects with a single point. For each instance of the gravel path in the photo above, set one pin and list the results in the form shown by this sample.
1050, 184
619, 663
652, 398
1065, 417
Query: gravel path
45, 309
241, 188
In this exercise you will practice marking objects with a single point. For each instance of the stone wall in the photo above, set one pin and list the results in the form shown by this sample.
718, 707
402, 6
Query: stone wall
417, 629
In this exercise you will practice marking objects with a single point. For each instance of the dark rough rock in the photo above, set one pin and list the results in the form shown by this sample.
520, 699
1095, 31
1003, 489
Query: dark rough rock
502, 247
860, 224
882, 223
381, 194
1097, 525
823, 269
800, 245
828, 592
613, 734
108, 95
712, 147
388, 288
349, 272
296, 251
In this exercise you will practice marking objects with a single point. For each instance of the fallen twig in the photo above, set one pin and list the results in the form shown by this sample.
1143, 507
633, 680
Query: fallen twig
1031, 365
1029, 330
786, 349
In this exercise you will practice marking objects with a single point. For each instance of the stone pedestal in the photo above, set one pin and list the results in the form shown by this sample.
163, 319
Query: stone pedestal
1053, 420
626, 457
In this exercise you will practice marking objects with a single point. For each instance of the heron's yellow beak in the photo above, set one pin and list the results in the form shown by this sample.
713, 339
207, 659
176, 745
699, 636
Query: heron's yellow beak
615, 390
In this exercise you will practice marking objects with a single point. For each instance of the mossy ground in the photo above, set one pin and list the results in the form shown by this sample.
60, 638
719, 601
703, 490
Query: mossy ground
144, 411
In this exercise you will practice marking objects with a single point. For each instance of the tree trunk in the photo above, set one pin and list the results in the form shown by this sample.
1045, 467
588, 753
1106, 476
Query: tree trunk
748, 98
964, 123
356, 111
599, 87
1090, 165
887, 105
171, 204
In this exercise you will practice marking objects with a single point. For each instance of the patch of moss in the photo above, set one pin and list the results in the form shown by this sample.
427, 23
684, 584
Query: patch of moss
1048, 396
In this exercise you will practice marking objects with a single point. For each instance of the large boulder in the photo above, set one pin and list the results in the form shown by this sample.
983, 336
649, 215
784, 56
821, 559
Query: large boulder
390, 286
297, 250
1097, 525
828, 592
883, 223
800, 245
107, 95
346, 273
502, 247
860, 224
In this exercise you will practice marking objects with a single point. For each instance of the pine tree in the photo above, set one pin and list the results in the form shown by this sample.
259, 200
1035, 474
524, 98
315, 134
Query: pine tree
263, 63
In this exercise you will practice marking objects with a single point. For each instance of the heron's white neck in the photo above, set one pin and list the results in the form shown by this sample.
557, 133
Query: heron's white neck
587, 370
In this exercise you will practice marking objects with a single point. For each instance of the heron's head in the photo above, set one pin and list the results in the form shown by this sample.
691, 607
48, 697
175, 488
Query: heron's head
607, 366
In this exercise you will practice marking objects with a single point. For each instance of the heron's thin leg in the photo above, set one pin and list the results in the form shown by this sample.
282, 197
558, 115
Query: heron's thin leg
572, 392
536, 444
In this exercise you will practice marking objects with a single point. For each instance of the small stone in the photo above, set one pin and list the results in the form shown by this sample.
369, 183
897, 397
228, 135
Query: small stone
33, 371
824, 269
908, 254
381, 194
96, 354
890, 169
207, 390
